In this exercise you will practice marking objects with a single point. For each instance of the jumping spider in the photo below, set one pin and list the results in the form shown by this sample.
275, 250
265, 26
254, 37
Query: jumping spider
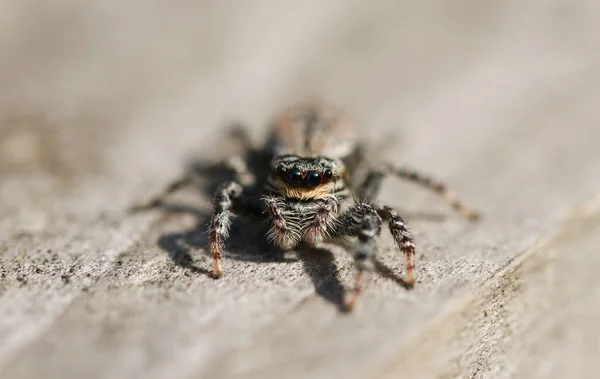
310, 174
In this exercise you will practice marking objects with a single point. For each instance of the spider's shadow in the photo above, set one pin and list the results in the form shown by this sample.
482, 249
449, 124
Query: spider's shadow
319, 264
247, 242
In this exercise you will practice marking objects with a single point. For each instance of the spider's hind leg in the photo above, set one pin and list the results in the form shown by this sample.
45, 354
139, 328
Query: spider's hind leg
158, 198
235, 165
370, 187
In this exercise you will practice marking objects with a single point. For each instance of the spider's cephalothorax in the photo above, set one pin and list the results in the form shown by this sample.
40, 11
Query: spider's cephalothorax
303, 197
316, 171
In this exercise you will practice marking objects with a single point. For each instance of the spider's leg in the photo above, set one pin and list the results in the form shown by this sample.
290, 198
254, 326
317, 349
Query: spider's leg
221, 221
363, 222
240, 135
370, 187
236, 165
403, 239
157, 199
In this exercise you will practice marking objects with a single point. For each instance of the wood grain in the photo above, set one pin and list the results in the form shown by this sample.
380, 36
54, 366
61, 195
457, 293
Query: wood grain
101, 105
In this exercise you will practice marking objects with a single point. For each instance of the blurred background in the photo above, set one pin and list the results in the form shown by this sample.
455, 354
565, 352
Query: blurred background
103, 102
105, 88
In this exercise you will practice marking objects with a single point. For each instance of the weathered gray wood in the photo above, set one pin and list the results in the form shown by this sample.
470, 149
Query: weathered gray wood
102, 104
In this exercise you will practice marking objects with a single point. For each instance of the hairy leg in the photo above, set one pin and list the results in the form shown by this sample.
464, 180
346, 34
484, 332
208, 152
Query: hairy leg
363, 222
370, 187
403, 239
221, 221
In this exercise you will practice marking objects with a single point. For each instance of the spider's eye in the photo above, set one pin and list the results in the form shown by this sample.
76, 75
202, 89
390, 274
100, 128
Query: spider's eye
328, 174
281, 170
294, 177
313, 179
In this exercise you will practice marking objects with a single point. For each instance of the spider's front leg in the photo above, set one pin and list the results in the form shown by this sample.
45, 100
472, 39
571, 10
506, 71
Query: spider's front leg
403, 239
221, 221
361, 221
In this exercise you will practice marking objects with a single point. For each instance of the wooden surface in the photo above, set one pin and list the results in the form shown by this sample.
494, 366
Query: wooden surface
102, 104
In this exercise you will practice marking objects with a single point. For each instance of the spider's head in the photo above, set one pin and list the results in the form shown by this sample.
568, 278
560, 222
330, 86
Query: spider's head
305, 178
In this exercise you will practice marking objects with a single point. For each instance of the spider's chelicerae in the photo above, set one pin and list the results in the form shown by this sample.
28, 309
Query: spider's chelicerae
312, 173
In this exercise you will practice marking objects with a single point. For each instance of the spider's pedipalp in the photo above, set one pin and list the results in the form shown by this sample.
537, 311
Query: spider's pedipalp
285, 231
323, 222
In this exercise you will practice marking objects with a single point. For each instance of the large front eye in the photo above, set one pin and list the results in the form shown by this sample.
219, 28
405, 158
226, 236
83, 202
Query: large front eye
294, 177
313, 179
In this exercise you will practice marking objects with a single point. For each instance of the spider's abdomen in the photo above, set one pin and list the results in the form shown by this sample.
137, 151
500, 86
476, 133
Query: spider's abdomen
312, 129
